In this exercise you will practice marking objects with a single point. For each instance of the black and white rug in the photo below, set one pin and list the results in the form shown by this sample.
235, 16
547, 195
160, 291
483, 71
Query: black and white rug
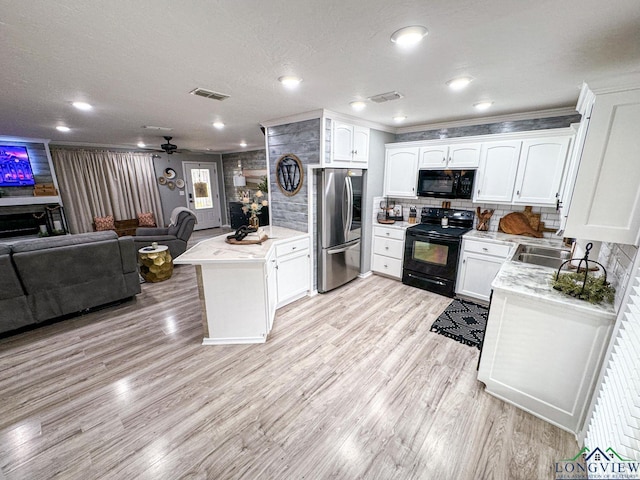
463, 321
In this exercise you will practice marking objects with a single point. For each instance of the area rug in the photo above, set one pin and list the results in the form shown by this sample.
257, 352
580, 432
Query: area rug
463, 321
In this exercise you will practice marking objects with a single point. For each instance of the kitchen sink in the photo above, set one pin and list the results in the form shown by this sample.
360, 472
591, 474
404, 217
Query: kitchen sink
543, 256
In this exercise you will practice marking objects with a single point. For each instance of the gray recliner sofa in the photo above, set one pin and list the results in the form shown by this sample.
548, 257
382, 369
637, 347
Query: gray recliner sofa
174, 236
50, 277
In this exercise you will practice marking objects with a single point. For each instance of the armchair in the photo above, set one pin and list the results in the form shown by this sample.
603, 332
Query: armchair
175, 236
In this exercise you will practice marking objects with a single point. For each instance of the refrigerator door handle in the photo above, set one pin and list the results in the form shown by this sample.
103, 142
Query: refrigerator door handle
349, 206
343, 248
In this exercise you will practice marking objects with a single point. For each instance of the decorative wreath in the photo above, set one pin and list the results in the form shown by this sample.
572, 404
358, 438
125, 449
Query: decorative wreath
289, 174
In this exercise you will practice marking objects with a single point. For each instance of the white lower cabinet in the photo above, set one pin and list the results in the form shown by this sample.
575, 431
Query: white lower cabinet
292, 259
544, 356
272, 288
479, 264
388, 249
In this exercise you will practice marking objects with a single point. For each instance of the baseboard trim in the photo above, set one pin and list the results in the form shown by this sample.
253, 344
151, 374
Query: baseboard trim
365, 274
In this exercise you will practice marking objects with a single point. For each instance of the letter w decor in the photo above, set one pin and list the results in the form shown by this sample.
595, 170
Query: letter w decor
289, 174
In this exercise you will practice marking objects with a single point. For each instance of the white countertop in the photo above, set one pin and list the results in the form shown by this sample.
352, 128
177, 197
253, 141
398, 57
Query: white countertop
217, 250
397, 225
534, 280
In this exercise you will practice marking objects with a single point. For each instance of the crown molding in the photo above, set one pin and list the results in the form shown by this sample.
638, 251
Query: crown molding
299, 117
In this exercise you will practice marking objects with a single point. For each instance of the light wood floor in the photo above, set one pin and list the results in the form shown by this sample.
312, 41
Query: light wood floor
349, 385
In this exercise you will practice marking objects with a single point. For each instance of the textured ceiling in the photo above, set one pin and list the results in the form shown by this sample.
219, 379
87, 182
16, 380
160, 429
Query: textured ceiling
136, 61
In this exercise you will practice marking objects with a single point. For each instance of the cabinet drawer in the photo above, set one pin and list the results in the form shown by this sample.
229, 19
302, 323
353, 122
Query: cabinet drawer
292, 247
387, 265
388, 247
486, 248
387, 232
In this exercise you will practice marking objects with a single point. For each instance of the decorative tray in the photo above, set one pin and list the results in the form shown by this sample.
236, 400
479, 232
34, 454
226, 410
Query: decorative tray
233, 241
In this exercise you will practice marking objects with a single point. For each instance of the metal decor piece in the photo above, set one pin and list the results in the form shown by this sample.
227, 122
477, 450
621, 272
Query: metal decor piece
289, 174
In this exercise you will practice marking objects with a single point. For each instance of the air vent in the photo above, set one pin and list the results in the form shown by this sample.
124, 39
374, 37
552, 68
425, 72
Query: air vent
386, 97
162, 129
201, 92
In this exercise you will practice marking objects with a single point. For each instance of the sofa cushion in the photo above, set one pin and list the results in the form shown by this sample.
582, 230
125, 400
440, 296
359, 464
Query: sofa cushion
61, 241
104, 223
146, 220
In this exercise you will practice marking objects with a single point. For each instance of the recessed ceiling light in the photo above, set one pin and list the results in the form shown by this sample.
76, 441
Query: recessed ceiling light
243, 144
82, 106
409, 36
358, 105
141, 145
218, 125
399, 118
62, 128
459, 83
290, 81
482, 105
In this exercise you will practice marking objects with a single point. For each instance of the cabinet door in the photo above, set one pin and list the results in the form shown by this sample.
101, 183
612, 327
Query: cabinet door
361, 146
342, 142
434, 157
464, 155
293, 276
476, 274
540, 170
497, 172
401, 172
606, 198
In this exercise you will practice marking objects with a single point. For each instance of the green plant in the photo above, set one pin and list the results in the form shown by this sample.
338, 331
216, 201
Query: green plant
263, 186
596, 290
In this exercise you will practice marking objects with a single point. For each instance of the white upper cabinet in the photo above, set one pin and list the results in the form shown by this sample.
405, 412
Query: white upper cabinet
349, 145
540, 168
458, 156
401, 171
497, 172
606, 199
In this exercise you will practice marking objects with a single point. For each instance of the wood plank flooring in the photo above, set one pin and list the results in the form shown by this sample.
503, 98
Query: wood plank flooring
349, 385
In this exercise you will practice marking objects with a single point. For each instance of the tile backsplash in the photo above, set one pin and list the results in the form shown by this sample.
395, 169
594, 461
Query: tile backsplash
618, 260
548, 215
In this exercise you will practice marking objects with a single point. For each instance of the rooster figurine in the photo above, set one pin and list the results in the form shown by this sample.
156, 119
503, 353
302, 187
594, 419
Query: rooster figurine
483, 219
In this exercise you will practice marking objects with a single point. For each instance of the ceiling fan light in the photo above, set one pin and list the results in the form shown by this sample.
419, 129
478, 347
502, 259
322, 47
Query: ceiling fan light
459, 83
482, 105
409, 36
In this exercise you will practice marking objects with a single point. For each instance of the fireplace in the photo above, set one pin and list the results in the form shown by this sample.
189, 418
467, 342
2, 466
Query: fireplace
29, 220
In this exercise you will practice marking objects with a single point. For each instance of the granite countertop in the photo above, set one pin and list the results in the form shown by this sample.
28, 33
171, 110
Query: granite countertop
533, 280
398, 225
217, 250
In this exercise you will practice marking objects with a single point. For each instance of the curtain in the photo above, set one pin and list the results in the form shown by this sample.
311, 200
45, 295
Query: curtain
99, 183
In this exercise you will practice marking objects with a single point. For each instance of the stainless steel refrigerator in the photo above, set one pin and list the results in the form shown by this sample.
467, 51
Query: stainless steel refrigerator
339, 226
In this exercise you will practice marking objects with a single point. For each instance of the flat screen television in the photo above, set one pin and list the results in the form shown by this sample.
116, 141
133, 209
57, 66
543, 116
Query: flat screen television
15, 167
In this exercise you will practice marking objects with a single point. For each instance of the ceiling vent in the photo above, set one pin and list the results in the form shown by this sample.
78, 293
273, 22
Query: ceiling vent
161, 129
386, 97
201, 92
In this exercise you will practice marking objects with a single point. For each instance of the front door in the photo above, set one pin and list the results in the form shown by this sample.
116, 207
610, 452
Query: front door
201, 181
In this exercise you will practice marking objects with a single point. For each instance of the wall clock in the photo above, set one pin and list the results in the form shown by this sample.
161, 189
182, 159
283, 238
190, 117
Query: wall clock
289, 174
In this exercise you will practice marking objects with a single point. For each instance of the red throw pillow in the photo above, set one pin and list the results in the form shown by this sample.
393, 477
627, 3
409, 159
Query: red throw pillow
104, 223
146, 220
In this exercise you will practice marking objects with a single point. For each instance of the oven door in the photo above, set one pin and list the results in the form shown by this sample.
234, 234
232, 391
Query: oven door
431, 262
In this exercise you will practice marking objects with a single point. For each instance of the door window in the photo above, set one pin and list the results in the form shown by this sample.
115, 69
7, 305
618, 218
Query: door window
201, 188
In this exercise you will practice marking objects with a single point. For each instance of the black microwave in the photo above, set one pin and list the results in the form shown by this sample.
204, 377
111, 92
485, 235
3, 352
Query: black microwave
446, 183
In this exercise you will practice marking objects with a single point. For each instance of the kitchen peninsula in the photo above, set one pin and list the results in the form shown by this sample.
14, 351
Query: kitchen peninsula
240, 286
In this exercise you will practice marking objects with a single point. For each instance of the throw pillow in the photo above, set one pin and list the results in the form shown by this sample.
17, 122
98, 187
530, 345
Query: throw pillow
146, 220
104, 223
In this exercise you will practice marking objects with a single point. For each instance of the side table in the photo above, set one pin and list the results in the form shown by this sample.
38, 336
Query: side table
156, 264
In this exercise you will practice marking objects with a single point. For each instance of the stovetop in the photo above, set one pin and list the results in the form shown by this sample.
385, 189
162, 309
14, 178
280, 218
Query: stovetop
460, 221
440, 230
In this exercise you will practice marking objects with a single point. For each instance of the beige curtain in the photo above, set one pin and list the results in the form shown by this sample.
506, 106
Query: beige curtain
98, 183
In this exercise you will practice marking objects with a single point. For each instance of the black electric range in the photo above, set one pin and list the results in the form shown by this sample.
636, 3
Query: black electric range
432, 249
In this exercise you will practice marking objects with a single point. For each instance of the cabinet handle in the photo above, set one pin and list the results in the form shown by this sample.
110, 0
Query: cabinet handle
387, 234
485, 249
293, 248
478, 191
386, 248
464, 260
386, 266
449, 161
444, 159
518, 192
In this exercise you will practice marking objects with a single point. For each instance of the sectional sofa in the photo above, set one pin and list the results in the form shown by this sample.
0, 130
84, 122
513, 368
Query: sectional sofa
45, 278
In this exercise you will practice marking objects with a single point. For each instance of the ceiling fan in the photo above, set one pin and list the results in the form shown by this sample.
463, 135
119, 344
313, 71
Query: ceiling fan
168, 147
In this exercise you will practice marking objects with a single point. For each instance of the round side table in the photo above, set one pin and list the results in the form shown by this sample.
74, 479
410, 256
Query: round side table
156, 264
